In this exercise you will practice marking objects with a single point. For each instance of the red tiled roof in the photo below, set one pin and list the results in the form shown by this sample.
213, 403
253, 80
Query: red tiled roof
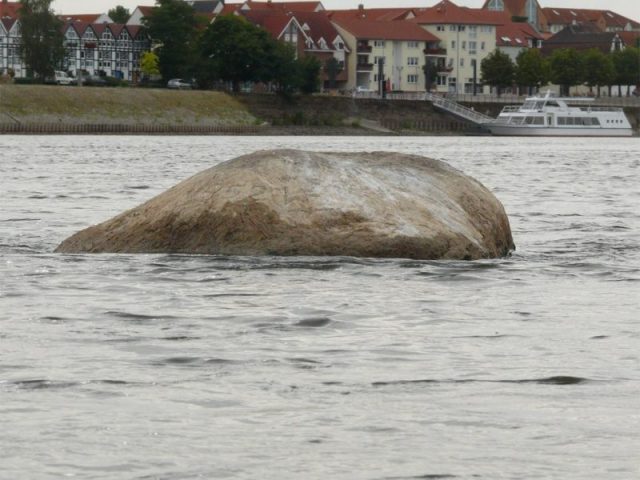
513, 35
390, 30
310, 6
630, 39
230, 8
133, 30
9, 9
447, 12
79, 27
380, 14
83, 17
145, 10
273, 22
566, 16
319, 26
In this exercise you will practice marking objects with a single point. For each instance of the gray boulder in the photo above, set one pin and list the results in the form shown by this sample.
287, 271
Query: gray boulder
290, 202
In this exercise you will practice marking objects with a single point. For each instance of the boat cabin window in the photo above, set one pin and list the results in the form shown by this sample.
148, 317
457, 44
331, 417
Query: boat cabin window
579, 121
531, 105
534, 121
552, 103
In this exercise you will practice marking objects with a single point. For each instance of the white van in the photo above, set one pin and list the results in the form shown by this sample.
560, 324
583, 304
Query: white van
61, 78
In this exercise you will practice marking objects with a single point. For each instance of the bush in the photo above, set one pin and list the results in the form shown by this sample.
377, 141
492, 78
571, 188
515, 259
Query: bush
25, 81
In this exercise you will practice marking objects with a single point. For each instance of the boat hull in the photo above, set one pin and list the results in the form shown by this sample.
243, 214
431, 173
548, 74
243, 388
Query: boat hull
515, 131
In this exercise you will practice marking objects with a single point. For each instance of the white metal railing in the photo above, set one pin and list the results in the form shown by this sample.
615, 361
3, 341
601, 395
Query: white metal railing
457, 109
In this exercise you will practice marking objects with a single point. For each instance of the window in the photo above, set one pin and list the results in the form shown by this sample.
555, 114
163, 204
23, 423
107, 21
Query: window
482, 45
473, 28
462, 62
378, 60
412, 44
378, 43
461, 28
412, 79
464, 45
452, 28
453, 44
473, 47
496, 5
440, 28
532, 12
412, 61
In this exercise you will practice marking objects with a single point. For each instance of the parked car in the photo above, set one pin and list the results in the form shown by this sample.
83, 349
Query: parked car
91, 80
179, 84
60, 78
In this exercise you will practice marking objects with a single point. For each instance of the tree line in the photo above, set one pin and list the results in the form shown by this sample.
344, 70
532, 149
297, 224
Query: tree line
564, 67
231, 49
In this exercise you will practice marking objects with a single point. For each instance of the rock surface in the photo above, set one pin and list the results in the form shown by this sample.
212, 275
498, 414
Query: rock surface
290, 202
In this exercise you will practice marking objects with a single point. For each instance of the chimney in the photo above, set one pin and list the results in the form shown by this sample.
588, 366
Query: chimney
361, 7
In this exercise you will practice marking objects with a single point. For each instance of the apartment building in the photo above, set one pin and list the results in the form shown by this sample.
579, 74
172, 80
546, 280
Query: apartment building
467, 38
393, 52
104, 48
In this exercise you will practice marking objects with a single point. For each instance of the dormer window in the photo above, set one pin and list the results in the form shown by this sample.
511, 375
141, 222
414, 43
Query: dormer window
496, 5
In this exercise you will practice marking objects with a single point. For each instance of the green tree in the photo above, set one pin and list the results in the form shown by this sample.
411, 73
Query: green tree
42, 45
309, 74
599, 69
627, 66
567, 69
149, 64
497, 70
234, 50
532, 69
333, 68
430, 70
173, 25
119, 14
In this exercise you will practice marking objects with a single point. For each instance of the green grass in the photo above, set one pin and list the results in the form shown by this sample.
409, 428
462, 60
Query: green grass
43, 103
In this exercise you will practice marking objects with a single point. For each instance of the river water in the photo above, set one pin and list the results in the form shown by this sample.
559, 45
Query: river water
180, 367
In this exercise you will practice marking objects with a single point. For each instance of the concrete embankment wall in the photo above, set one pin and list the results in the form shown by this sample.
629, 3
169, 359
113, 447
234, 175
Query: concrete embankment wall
38, 109
321, 110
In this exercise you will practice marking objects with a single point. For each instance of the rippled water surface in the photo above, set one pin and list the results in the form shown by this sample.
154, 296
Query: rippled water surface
179, 367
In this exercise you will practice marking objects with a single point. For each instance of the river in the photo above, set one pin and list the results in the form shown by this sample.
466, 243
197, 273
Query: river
181, 367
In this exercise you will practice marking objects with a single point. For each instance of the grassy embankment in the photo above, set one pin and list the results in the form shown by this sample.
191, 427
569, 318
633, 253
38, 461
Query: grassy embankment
130, 106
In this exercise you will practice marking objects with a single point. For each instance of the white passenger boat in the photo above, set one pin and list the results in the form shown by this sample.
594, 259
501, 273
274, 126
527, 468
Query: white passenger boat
552, 116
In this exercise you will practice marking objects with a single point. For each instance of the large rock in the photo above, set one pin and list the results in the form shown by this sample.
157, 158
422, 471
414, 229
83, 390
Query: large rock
289, 202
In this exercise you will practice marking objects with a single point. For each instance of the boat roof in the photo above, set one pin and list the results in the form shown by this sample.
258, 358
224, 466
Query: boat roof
552, 96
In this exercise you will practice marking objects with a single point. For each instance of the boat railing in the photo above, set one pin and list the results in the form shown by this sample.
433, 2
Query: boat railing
511, 109
601, 109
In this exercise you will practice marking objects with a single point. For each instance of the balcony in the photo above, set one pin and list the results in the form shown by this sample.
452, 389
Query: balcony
364, 67
444, 70
364, 48
435, 52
